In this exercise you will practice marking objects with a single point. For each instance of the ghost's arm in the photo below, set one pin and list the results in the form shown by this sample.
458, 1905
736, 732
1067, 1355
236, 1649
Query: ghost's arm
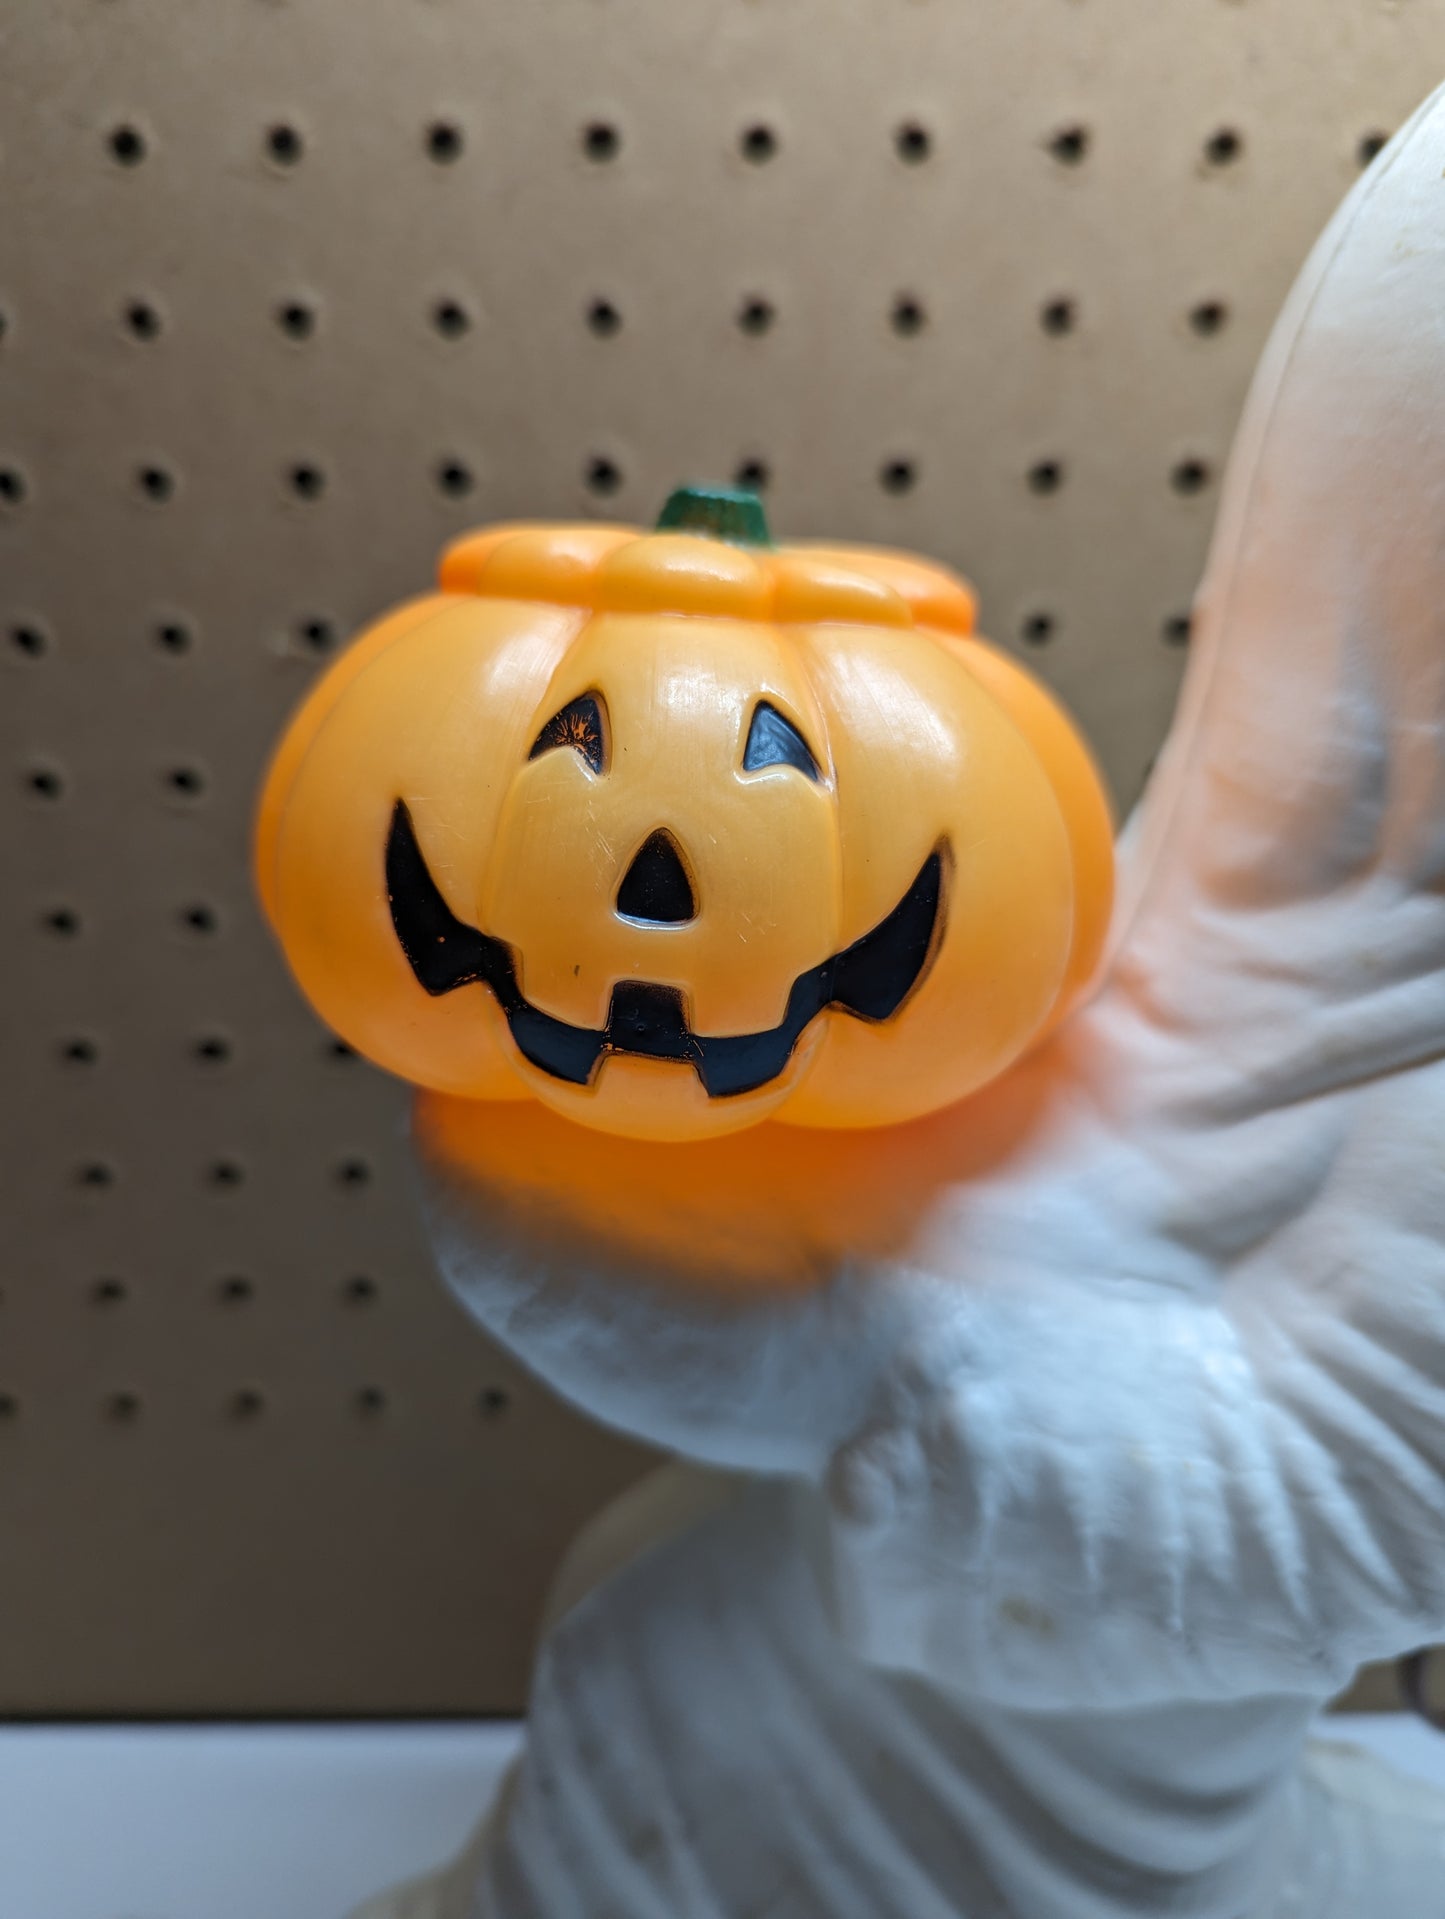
1134, 1453
1193, 1416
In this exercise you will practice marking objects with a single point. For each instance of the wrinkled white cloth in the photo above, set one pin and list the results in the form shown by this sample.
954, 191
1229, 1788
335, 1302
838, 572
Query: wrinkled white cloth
1139, 1451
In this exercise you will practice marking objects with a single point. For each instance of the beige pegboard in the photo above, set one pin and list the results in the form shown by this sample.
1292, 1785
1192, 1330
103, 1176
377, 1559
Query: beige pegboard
292, 291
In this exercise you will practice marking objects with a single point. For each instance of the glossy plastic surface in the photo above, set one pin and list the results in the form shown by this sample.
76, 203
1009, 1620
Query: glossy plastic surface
676, 834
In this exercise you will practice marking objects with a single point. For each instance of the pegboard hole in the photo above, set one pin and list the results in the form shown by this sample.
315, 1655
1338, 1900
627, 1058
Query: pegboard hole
353, 1174
604, 319
756, 314
30, 640
755, 475
156, 482
1371, 146
127, 145
212, 1049
225, 1175
909, 315
199, 919
80, 1052
109, 1292
898, 476
444, 142
451, 319
236, 1290
758, 143
123, 1408
338, 1049
316, 633
912, 142
1208, 318
307, 480
45, 782
62, 921
1070, 145
1190, 476
1059, 316
174, 636
246, 1404
370, 1402
454, 478
359, 1290
186, 782
1176, 629
603, 476
296, 319
601, 140
493, 1401
4, 323
9, 1407
1046, 476
1223, 147
14, 487
95, 1175
1038, 628
284, 144
143, 320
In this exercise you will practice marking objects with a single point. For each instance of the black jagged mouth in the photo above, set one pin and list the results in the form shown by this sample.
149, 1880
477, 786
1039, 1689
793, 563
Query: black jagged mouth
869, 979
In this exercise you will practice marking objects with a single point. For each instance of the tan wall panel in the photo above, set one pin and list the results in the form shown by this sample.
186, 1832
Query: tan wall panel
301, 1499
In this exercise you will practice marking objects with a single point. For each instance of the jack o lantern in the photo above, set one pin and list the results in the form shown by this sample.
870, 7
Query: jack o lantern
676, 831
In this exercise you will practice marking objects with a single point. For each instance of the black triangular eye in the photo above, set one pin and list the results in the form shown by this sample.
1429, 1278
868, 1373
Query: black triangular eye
579, 725
774, 741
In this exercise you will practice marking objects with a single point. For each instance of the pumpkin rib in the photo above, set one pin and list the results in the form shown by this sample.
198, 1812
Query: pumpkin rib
1083, 803
277, 781
534, 562
936, 598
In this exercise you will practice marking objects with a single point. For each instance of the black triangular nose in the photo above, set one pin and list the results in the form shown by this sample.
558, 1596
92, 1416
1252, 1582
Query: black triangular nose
655, 886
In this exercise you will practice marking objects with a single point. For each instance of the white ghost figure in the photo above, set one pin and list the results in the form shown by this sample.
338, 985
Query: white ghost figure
1021, 1560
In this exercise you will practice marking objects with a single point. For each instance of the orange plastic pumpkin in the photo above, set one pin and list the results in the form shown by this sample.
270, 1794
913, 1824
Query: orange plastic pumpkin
676, 831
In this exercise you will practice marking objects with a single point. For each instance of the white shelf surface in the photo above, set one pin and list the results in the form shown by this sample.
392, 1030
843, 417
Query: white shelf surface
295, 1821
233, 1822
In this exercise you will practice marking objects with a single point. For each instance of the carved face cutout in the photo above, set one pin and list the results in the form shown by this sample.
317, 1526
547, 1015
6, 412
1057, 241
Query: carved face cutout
706, 836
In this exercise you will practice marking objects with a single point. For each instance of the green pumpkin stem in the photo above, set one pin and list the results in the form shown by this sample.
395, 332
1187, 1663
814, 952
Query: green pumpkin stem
723, 512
